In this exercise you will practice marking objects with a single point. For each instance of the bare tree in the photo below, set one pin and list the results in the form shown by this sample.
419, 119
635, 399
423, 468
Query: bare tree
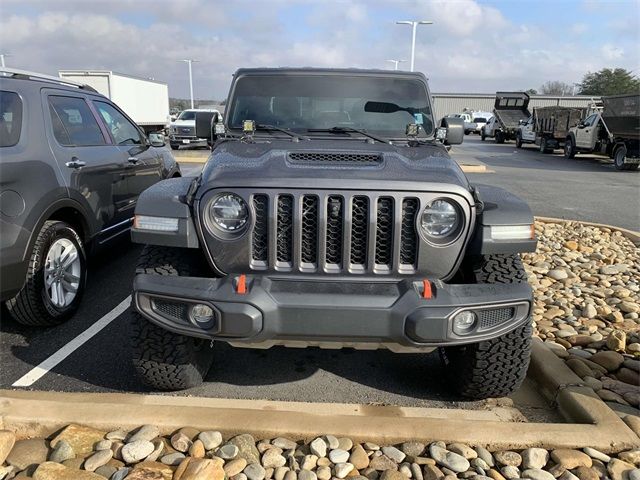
556, 87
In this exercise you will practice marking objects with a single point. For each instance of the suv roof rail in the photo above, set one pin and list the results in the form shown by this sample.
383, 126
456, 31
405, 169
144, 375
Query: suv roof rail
27, 75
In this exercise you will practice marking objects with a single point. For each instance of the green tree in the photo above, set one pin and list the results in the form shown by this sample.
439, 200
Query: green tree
609, 82
532, 91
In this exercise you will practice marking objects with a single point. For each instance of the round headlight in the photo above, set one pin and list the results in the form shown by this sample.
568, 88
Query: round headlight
229, 212
439, 219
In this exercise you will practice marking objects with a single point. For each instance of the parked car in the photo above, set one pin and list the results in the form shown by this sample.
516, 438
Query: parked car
73, 165
509, 110
323, 218
183, 130
613, 131
480, 120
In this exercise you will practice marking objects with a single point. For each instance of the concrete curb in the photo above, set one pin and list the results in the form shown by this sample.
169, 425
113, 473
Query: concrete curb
630, 234
32, 413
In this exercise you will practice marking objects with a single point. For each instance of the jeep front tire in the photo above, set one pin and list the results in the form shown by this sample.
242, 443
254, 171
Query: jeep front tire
165, 360
496, 367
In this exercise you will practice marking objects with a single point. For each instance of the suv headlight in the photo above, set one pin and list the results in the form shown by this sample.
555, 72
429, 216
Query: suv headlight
440, 219
227, 213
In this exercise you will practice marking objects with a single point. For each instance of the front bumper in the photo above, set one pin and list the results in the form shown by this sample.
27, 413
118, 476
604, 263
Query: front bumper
332, 312
178, 139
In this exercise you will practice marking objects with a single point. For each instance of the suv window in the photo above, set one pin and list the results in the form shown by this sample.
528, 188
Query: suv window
123, 131
73, 122
10, 118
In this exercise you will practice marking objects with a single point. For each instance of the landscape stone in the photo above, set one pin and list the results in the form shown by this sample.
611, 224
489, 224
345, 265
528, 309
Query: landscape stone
464, 450
382, 462
318, 447
305, 475
255, 471
451, 460
136, 451
393, 453
234, 467
28, 452
392, 475
199, 469
537, 474
508, 458
608, 359
359, 458
82, 439
150, 471
7, 440
342, 469
146, 432
593, 453
98, 459
571, 459
284, 443
210, 439
57, 471
246, 448
273, 458
618, 469
61, 452
174, 458
535, 458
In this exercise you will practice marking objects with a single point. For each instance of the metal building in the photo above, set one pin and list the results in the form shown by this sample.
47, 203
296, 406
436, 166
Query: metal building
447, 103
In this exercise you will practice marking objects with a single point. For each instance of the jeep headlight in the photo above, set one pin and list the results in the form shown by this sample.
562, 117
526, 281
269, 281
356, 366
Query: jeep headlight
228, 213
440, 219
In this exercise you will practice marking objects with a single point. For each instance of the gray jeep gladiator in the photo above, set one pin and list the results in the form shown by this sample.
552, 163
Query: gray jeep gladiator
330, 214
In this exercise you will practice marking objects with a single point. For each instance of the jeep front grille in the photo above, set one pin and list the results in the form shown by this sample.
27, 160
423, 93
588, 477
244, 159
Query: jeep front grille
324, 158
334, 233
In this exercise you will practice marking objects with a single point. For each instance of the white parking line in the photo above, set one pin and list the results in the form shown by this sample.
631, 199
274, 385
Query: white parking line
36, 373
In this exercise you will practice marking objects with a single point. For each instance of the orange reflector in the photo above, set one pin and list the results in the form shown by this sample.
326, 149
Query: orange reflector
241, 286
426, 290
533, 232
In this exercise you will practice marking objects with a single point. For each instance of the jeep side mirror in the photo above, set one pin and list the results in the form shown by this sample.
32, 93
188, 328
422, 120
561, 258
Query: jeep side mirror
205, 122
454, 128
156, 139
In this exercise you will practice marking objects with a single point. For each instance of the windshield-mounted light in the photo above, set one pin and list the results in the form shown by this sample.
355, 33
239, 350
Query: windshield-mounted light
412, 130
248, 127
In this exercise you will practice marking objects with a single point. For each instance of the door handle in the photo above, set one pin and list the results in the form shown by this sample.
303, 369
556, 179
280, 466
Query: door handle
75, 163
133, 160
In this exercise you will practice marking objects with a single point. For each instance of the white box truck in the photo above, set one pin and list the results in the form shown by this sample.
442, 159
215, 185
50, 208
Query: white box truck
145, 100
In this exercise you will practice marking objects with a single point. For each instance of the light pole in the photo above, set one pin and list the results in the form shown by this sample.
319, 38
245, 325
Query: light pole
189, 61
414, 25
396, 62
2, 57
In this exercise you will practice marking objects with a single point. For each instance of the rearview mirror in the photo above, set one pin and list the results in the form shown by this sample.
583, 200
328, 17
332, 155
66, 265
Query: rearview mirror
204, 125
454, 128
381, 107
157, 139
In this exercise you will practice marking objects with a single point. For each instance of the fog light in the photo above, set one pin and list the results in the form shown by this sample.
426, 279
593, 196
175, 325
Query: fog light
202, 315
464, 322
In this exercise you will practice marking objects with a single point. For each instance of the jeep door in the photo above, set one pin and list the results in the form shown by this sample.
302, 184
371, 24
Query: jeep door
143, 163
89, 161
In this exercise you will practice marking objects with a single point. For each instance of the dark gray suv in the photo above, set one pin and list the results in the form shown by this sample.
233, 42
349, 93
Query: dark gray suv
72, 166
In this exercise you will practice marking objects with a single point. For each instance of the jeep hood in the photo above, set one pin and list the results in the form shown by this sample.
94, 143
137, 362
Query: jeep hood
330, 164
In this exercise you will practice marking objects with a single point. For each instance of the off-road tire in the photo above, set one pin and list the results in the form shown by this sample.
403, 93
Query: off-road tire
31, 306
569, 149
165, 360
518, 141
496, 367
619, 155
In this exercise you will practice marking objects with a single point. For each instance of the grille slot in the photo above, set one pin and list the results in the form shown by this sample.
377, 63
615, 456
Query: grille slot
167, 308
332, 158
492, 317
359, 227
260, 240
384, 232
284, 232
309, 247
335, 214
408, 234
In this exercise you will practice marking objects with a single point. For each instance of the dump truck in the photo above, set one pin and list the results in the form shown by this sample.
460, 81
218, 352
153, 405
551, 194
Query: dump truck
613, 131
548, 127
509, 109
145, 100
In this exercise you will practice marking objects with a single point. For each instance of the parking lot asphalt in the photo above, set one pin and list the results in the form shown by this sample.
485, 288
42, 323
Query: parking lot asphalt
50, 359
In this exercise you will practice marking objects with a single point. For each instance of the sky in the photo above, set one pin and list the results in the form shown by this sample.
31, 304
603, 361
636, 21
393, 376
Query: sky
472, 46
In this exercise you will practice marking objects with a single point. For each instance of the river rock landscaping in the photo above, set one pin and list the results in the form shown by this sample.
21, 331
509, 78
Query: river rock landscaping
586, 283
82, 453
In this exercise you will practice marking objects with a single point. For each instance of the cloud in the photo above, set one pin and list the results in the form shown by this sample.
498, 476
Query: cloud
579, 28
470, 47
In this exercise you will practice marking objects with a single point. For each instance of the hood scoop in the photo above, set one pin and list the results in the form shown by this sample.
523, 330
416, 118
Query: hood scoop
334, 158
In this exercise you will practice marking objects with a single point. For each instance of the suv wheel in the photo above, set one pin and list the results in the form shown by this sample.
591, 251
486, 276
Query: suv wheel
482, 135
569, 149
496, 367
56, 277
165, 360
518, 140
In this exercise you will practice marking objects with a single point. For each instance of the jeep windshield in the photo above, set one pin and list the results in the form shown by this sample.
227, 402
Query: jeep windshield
333, 103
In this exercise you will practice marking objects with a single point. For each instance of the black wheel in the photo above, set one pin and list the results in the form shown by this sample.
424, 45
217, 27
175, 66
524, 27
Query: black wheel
496, 367
569, 148
618, 158
467, 132
55, 280
518, 141
543, 145
499, 137
165, 360
482, 135
174, 146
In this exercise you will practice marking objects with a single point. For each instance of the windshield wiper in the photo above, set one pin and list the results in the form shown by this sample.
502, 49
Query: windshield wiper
283, 130
349, 130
